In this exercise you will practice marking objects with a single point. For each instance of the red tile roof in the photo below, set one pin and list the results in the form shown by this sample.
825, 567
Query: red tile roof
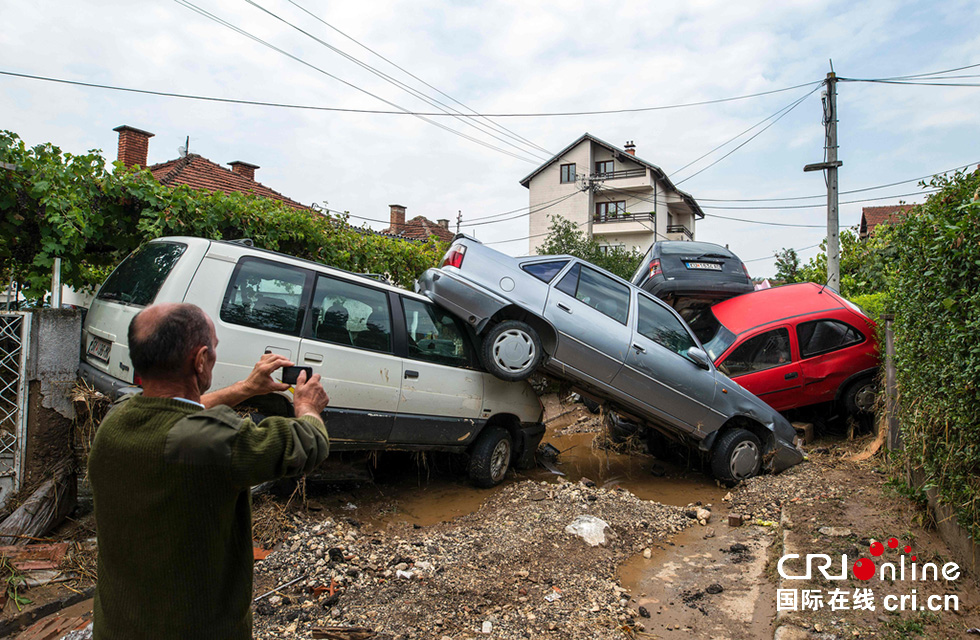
871, 217
420, 228
198, 172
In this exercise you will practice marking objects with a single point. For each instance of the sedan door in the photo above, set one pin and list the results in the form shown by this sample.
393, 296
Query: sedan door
590, 310
659, 374
763, 364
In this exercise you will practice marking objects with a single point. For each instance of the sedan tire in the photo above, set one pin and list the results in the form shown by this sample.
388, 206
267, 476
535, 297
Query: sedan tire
490, 457
737, 455
511, 350
860, 396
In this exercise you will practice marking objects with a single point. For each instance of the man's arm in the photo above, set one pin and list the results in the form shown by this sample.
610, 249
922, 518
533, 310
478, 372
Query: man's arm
257, 383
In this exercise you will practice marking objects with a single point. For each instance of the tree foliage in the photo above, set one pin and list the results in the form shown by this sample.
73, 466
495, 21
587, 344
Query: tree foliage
56, 204
564, 237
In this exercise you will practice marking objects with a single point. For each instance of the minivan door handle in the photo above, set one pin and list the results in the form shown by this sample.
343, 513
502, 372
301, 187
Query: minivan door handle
791, 375
411, 374
564, 308
313, 357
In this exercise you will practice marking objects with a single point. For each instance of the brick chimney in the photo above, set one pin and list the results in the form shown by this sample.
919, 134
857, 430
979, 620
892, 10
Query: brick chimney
133, 145
244, 169
630, 148
397, 218
443, 222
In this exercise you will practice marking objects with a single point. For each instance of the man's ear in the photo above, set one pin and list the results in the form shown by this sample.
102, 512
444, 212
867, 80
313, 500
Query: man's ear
200, 361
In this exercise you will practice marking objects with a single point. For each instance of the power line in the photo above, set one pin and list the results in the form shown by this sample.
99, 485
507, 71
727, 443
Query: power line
812, 246
401, 85
933, 73
818, 206
909, 82
412, 75
225, 23
784, 110
399, 112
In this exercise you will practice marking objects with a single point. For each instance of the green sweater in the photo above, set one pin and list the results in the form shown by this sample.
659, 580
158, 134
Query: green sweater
174, 514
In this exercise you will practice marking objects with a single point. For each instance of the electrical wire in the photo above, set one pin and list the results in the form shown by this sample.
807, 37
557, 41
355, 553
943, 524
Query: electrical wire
190, 5
772, 257
404, 87
908, 82
399, 112
933, 73
784, 111
819, 206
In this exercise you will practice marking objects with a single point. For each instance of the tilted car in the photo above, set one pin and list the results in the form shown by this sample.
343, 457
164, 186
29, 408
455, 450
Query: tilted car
798, 346
691, 275
401, 373
612, 341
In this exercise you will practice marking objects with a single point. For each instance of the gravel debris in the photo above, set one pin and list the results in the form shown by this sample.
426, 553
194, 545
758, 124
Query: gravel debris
761, 498
509, 567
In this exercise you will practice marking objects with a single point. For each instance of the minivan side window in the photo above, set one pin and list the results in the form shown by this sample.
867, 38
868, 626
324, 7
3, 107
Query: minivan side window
139, 277
657, 323
266, 295
545, 271
351, 314
758, 353
597, 290
823, 336
434, 335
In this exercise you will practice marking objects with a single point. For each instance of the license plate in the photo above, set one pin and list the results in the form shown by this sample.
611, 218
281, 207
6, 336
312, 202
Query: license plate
99, 349
703, 265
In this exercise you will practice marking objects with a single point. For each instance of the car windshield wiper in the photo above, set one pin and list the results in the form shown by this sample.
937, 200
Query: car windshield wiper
710, 255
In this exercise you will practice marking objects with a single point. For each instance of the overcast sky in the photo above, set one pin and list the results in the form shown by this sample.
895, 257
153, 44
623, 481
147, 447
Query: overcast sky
513, 57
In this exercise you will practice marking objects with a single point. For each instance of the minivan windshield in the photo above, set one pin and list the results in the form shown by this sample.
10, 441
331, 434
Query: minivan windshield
139, 277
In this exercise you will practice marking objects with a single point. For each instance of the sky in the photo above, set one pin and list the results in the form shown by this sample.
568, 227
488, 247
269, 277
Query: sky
515, 57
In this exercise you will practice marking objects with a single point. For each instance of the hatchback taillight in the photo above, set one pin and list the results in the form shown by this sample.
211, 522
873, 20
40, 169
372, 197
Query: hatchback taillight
746, 270
654, 268
455, 256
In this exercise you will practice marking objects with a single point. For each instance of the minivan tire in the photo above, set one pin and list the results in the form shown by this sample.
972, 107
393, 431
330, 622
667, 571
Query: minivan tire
737, 455
511, 350
490, 457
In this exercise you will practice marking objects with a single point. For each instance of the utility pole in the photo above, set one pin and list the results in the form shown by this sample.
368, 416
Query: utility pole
459, 220
829, 100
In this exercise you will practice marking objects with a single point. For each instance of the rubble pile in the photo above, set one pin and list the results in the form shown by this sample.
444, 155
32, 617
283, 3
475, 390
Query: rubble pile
761, 498
509, 569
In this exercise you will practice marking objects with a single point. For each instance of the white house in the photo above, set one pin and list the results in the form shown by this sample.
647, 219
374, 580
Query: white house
618, 198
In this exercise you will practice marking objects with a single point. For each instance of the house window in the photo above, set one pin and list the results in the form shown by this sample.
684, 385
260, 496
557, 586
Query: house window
604, 166
605, 249
605, 211
568, 173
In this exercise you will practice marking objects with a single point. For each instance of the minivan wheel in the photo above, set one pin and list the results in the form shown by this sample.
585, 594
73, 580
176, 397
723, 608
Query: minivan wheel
511, 350
737, 455
860, 397
490, 457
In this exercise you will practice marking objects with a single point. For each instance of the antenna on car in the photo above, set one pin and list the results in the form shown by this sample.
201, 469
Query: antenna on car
823, 287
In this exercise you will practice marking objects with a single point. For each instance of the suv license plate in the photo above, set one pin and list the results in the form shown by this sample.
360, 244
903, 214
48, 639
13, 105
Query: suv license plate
99, 349
703, 265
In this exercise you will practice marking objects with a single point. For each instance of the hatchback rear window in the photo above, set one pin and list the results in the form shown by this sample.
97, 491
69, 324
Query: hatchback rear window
139, 277
695, 249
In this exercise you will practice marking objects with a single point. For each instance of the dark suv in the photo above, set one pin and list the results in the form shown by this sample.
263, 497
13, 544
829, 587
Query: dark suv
689, 275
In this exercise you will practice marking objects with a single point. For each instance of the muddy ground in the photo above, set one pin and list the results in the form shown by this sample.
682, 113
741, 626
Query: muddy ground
418, 553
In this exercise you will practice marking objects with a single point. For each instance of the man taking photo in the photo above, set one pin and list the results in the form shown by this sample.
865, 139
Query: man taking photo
171, 470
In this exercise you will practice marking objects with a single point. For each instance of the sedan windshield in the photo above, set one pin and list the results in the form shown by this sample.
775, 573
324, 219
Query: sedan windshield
714, 336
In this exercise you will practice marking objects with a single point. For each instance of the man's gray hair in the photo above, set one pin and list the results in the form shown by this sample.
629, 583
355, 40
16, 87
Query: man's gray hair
159, 351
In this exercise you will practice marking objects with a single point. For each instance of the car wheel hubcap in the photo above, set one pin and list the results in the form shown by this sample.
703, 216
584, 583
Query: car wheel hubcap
745, 457
500, 460
513, 350
864, 399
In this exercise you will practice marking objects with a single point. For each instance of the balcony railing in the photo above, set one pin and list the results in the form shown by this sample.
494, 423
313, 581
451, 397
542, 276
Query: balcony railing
599, 218
625, 173
679, 228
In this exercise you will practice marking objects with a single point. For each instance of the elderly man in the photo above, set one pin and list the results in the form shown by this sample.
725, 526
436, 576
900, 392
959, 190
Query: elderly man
171, 469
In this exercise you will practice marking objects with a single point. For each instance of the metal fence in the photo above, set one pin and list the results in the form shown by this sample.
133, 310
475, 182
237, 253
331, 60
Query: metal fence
15, 332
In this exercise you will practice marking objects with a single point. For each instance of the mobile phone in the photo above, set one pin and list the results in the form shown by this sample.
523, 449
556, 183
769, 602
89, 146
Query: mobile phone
291, 374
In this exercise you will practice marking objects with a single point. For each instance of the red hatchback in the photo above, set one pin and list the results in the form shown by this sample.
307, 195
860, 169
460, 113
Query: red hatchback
795, 346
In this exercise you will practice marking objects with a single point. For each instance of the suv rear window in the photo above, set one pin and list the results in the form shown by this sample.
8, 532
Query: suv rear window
139, 277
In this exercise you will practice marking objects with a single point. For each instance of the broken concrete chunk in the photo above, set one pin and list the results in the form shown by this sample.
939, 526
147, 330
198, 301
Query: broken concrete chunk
590, 529
836, 532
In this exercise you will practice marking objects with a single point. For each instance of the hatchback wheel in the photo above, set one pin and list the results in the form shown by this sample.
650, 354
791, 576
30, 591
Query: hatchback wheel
737, 455
860, 397
511, 350
490, 457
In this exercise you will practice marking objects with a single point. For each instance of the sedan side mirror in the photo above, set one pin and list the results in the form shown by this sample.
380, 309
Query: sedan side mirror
699, 357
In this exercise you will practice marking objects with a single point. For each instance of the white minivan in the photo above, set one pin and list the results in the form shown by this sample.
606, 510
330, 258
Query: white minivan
401, 373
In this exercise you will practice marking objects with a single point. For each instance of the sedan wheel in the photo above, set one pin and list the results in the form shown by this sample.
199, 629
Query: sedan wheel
511, 350
860, 397
490, 457
737, 455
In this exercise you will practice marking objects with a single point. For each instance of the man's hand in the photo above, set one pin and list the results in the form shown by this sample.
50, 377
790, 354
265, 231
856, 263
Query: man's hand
309, 398
260, 380
257, 383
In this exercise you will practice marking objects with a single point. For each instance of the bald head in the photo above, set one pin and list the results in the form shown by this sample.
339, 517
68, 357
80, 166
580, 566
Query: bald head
163, 337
